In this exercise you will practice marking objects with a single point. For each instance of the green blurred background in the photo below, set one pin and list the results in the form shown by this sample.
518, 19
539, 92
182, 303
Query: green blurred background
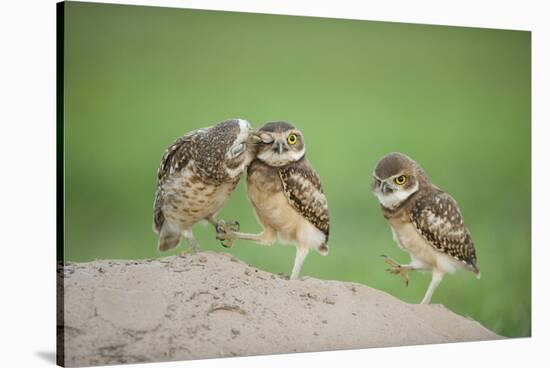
455, 99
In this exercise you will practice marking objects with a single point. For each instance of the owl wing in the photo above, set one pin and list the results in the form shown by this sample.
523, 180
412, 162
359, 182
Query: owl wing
302, 188
174, 159
438, 219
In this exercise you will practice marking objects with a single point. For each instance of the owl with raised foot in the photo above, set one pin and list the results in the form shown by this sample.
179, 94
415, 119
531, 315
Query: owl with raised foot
286, 194
425, 221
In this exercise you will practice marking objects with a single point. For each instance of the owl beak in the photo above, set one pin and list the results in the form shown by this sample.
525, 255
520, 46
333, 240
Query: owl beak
386, 188
280, 148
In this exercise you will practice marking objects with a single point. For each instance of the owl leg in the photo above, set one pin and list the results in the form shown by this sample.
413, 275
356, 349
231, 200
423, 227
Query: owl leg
437, 276
227, 236
188, 236
301, 253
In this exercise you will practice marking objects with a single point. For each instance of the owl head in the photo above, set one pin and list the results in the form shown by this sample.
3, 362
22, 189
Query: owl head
225, 149
279, 144
396, 178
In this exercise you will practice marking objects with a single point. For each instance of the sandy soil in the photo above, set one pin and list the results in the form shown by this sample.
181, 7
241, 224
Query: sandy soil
212, 305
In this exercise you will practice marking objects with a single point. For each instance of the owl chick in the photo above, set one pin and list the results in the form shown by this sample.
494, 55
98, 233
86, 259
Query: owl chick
425, 221
197, 174
286, 195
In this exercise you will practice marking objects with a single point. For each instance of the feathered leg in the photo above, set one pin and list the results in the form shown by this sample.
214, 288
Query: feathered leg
437, 276
188, 235
301, 253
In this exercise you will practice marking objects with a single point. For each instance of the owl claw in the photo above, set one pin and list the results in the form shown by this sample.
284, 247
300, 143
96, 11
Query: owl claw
233, 226
224, 231
227, 243
397, 269
223, 227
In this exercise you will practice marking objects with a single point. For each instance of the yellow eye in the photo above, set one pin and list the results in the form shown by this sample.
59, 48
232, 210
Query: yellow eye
400, 180
291, 139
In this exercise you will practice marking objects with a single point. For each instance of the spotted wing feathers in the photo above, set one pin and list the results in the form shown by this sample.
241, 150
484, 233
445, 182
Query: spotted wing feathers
302, 187
174, 159
438, 219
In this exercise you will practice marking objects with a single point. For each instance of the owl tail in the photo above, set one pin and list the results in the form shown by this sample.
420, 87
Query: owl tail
167, 243
323, 249
168, 238
476, 271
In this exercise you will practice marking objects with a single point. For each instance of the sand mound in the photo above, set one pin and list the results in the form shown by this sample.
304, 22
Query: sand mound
212, 305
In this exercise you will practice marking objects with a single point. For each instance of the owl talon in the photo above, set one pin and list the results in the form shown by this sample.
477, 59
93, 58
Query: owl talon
390, 262
233, 226
227, 243
401, 271
220, 228
397, 269
224, 231
223, 227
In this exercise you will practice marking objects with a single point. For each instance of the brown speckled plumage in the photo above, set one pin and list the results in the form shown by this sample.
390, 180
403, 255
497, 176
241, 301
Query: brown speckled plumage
302, 187
286, 194
438, 219
426, 222
434, 213
196, 175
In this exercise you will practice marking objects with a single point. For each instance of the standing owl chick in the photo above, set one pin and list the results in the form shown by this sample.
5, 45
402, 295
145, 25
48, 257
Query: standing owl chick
425, 221
197, 174
286, 195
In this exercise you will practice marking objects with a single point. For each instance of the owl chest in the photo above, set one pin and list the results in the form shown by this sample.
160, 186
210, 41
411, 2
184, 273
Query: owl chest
189, 200
271, 205
409, 239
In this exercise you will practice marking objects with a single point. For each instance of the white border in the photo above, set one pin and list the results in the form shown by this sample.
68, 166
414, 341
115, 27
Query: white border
27, 185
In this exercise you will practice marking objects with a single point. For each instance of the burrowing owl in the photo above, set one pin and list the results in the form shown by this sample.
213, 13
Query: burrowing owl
286, 194
197, 174
425, 221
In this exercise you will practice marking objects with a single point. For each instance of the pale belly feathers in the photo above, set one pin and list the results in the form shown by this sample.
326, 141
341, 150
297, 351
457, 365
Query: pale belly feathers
275, 212
423, 254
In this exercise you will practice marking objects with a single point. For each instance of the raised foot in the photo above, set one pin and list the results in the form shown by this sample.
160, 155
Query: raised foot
225, 231
397, 269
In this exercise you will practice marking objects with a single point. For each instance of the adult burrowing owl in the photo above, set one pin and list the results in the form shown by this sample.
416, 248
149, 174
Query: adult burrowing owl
286, 194
425, 221
197, 174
